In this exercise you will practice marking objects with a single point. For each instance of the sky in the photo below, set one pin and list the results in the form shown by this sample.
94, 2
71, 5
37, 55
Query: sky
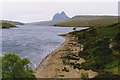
35, 11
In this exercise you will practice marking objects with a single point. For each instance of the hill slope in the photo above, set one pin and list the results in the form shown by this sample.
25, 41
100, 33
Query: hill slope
5, 25
12, 22
86, 21
101, 50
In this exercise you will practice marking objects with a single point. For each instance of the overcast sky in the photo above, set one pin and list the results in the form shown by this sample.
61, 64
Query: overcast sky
43, 11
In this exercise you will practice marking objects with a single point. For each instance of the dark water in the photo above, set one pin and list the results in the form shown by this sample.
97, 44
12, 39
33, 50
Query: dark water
33, 42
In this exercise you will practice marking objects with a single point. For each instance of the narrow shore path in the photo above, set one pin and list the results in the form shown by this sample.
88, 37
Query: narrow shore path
52, 65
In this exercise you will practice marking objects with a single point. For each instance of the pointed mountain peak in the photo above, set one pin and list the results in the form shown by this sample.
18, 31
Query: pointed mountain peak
60, 16
63, 13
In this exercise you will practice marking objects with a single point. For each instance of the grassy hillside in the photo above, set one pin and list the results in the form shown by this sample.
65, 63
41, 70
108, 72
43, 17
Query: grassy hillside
5, 25
12, 22
101, 50
87, 21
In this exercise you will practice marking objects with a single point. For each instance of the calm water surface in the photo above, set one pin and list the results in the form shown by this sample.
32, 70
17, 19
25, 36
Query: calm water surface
33, 42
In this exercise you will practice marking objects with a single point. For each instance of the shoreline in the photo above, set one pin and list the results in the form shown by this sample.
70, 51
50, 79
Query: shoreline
42, 65
52, 65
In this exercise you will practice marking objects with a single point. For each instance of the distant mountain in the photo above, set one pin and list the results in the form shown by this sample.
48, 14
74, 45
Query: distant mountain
12, 22
49, 23
59, 17
88, 20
